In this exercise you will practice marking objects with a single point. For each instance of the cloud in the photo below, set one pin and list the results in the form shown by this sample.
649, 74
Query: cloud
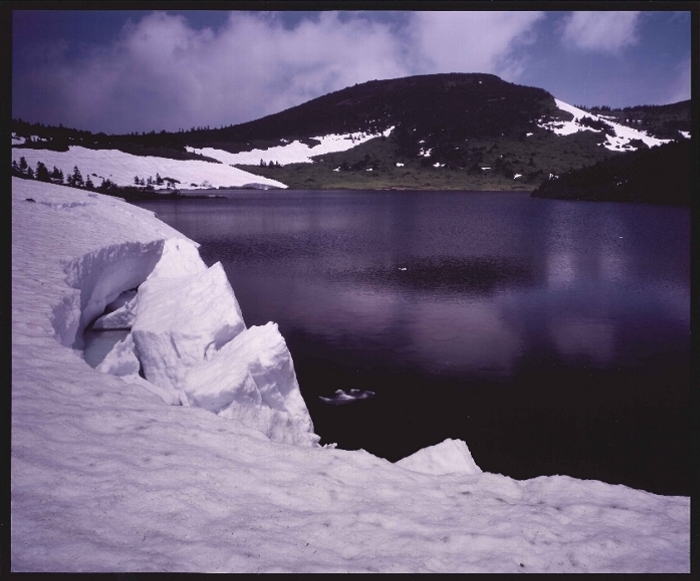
679, 89
162, 73
472, 41
601, 31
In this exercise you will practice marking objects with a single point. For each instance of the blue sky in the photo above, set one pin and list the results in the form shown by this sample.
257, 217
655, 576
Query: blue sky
124, 71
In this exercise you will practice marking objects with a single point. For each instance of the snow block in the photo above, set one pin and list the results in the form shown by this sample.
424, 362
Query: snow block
120, 312
254, 371
101, 277
252, 379
182, 321
179, 258
448, 457
121, 360
278, 426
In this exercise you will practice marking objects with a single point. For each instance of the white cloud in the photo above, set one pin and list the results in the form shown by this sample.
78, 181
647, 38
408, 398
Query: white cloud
679, 90
601, 31
162, 73
472, 41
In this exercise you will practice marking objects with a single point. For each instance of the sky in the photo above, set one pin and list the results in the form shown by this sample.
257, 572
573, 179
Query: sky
143, 70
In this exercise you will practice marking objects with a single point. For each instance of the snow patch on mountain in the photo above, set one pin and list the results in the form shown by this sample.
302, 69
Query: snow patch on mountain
294, 152
618, 136
121, 168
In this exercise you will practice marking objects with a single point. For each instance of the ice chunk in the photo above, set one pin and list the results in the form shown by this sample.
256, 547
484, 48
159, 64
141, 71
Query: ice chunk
181, 321
450, 456
179, 258
342, 397
277, 425
124, 298
121, 360
123, 312
253, 370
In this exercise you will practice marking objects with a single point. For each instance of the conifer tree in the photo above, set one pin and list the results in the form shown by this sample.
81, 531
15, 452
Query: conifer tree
23, 165
42, 173
88, 184
77, 178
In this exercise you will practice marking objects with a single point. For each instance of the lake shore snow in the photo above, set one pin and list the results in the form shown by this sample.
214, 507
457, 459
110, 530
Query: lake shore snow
106, 476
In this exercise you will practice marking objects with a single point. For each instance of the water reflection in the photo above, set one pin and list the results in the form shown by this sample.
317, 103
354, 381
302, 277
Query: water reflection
587, 338
561, 271
530, 303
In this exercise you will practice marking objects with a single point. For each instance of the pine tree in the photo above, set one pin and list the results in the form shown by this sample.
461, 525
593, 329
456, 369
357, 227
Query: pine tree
136, 180
30, 173
23, 165
15, 168
89, 185
76, 180
42, 173
56, 175
159, 180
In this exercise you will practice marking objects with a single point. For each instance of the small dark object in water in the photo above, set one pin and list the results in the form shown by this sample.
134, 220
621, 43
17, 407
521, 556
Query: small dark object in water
30, 200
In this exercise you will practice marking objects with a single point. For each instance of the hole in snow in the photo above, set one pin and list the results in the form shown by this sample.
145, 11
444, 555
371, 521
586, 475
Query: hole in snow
97, 340
100, 342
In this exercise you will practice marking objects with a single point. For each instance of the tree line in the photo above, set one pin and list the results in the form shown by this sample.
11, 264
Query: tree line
76, 180
23, 170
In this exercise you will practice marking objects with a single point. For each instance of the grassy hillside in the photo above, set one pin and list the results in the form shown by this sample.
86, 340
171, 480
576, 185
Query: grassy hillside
532, 158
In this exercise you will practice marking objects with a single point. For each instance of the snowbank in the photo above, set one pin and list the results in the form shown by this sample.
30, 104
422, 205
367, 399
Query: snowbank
106, 477
449, 457
294, 152
121, 168
618, 136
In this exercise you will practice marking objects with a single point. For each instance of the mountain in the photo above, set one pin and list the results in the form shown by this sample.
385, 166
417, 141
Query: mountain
442, 131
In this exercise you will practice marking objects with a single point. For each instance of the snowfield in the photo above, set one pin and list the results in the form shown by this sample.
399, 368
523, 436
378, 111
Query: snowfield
294, 152
618, 137
107, 476
121, 168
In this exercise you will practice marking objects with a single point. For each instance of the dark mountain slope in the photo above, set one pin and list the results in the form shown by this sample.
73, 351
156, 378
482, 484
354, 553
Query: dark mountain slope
443, 107
660, 175
663, 121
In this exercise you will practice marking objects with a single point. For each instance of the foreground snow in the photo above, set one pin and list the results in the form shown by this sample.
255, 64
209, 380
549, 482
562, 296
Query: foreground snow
121, 168
294, 152
106, 476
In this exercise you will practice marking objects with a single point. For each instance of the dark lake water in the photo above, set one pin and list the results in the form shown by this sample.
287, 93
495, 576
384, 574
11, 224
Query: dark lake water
553, 337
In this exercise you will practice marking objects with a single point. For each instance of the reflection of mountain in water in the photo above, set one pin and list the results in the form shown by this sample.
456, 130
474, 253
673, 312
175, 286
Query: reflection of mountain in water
472, 275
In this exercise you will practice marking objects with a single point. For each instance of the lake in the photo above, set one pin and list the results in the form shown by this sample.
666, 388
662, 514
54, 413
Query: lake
553, 337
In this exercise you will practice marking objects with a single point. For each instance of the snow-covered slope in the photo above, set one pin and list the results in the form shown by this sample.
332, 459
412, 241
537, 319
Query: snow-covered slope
294, 152
618, 136
121, 168
105, 476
